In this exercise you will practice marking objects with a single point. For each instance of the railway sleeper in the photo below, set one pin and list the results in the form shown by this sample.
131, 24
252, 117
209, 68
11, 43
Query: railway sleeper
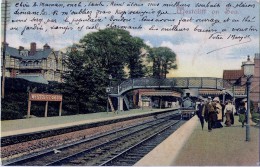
132, 160
134, 155
126, 161
150, 146
92, 156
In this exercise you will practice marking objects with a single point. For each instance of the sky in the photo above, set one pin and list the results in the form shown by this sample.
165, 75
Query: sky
198, 55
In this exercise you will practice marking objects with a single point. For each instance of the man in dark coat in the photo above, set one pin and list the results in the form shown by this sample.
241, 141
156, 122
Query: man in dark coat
209, 114
199, 113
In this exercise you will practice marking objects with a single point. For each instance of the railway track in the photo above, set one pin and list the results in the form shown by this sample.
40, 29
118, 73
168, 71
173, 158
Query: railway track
133, 154
100, 149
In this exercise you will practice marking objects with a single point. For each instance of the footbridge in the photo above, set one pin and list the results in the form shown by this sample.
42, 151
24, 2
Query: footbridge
181, 82
121, 89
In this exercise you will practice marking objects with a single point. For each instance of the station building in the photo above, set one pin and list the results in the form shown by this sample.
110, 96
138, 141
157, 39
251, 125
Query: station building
255, 87
238, 81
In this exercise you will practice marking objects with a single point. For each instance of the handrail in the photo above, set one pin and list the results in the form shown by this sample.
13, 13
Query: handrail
178, 82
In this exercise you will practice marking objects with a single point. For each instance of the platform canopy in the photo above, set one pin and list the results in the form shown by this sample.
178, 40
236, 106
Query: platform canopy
238, 91
205, 92
161, 93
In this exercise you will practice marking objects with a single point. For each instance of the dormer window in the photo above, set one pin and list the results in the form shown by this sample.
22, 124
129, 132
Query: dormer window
24, 53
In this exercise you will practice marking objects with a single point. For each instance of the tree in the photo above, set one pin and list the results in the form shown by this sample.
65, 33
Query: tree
113, 50
163, 59
84, 87
135, 62
106, 49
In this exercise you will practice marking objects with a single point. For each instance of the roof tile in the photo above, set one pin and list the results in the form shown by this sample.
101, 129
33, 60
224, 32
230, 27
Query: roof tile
232, 74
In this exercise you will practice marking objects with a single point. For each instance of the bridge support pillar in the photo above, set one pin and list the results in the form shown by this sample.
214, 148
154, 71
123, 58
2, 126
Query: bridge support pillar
120, 103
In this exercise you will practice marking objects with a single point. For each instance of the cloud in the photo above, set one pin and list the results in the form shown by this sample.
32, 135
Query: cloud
148, 43
193, 58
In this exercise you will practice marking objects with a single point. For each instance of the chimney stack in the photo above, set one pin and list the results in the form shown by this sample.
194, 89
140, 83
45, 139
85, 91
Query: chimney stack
46, 46
21, 48
33, 48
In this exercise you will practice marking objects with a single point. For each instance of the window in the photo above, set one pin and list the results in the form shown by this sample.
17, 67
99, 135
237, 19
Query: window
36, 63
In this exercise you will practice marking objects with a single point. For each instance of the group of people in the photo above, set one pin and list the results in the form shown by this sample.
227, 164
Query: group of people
213, 112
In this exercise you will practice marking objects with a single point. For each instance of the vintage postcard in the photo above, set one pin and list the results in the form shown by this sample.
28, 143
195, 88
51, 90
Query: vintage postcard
130, 83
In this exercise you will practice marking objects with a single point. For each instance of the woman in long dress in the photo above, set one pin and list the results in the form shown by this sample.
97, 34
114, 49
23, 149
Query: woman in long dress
229, 109
218, 112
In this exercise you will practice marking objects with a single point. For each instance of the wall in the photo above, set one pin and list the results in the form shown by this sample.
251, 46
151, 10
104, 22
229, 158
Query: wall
255, 87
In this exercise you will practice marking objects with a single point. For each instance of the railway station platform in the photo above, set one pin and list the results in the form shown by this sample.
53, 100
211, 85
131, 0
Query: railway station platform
30, 125
192, 146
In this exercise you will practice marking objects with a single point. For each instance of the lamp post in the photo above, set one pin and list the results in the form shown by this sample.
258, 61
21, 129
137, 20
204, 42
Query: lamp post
110, 78
248, 68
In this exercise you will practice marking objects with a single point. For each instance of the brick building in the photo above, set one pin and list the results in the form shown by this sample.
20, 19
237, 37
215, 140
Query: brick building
238, 80
38, 65
255, 86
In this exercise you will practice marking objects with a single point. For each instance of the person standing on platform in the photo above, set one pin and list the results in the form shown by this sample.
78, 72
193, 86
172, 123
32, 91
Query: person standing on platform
242, 113
229, 110
218, 112
223, 108
209, 112
232, 115
200, 113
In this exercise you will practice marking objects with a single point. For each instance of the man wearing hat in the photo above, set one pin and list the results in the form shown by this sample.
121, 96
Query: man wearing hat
229, 110
208, 113
242, 113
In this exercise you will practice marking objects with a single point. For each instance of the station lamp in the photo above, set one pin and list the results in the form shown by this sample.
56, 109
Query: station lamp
248, 67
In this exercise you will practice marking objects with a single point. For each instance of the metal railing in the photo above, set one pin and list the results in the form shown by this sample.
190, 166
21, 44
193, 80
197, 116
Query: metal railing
181, 82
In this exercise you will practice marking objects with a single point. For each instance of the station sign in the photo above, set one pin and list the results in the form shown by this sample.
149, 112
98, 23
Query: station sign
45, 97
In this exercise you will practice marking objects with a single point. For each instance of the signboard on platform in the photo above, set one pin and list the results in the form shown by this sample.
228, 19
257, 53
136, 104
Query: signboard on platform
45, 97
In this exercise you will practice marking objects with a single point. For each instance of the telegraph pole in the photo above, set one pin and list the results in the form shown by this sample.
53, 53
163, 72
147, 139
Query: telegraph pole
4, 49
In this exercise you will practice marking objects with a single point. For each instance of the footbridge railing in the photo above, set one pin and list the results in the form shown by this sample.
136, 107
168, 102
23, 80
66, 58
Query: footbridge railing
180, 82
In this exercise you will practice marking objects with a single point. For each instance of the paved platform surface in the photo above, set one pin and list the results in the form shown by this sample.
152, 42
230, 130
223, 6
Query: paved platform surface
20, 126
192, 146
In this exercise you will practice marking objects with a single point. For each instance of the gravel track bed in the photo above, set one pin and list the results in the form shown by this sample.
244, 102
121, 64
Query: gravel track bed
20, 150
29, 147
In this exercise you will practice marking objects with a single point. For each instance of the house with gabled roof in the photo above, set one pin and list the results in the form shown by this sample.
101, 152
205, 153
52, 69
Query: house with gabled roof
238, 80
36, 65
233, 76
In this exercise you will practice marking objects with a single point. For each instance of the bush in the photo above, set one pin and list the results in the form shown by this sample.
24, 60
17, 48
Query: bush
15, 103
255, 117
9, 115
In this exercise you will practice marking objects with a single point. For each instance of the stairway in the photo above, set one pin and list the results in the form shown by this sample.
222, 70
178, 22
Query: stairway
111, 104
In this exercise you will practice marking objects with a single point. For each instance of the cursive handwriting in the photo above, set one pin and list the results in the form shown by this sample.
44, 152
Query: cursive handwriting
217, 20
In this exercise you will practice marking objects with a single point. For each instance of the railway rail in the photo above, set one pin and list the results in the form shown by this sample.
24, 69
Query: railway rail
20, 146
98, 149
133, 154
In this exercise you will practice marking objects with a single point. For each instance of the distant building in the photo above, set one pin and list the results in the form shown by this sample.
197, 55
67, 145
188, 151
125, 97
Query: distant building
238, 80
38, 65
255, 86
233, 76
